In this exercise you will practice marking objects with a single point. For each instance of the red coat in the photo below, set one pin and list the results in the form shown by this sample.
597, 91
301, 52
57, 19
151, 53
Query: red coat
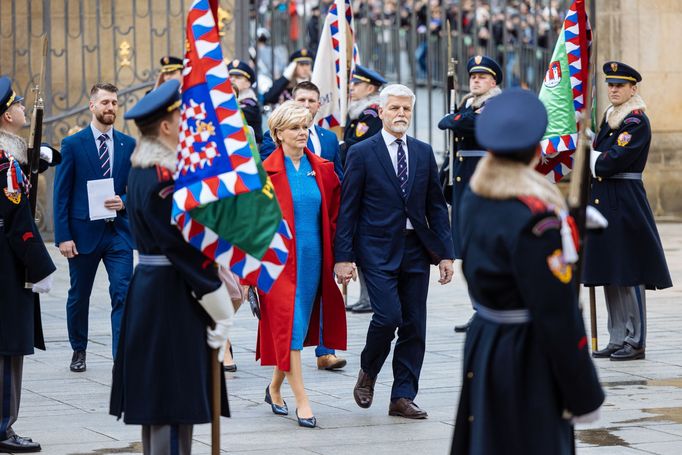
277, 307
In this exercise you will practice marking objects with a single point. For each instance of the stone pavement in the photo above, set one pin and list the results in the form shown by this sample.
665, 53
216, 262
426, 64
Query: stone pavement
68, 413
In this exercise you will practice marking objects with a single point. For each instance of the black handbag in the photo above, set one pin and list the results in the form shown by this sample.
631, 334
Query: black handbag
254, 303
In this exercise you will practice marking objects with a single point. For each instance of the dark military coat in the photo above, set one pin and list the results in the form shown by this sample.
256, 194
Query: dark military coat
463, 124
366, 125
520, 377
162, 369
629, 251
252, 114
23, 257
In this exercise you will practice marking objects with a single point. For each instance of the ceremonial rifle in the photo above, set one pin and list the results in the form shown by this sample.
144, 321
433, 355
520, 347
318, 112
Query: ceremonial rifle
36, 133
580, 181
450, 139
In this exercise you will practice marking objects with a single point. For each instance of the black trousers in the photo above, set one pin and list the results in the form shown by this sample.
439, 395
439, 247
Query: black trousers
398, 298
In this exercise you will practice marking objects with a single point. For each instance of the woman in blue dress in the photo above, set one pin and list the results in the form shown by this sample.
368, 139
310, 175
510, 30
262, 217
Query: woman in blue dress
308, 191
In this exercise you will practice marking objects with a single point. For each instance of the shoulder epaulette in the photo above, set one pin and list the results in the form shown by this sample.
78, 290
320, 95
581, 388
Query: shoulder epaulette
163, 174
637, 112
535, 204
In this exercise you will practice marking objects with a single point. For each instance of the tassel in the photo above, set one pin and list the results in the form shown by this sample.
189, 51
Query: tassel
567, 240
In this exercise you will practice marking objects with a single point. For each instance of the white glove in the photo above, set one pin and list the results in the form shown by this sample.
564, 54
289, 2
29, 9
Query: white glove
589, 133
46, 153
594, 156
594, 219
217, 337
43, 286
290, 70
590, 417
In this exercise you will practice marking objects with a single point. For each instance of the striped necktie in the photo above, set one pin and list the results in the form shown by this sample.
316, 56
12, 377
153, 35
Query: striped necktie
104, 155
402, 167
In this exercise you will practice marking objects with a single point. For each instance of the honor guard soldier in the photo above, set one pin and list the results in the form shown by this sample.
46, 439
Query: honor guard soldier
242, 78
485, 76
627, 258
300, 69
363, 122
23, 258
363, 110
173, 297
528, 375
171, 68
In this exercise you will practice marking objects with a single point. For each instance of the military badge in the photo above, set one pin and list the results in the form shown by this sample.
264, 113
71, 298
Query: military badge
614, 67
166, 60
304, 52
361, 129
478, 59
13, 196
562, 271
235, 62
624, 139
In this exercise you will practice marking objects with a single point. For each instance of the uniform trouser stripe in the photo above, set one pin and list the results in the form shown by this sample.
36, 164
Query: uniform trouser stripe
626, 306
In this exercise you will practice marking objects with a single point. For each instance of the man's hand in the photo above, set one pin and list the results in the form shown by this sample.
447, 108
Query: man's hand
345, 271
114, 203
68, 249
446, 271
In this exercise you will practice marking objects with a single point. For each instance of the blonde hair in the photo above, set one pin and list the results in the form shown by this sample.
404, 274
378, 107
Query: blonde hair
287, 115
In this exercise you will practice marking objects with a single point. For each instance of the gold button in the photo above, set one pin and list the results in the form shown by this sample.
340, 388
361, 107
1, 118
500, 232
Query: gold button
471, 418
611, 133
596, 201
461, 158
470, 375
598, 179
459, 179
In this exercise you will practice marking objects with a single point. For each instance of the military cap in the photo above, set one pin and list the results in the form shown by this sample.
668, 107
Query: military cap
241, 68
170, 64
620, 73
7, 95
302, 56
362, 74
156, 104
486, 65
511, 122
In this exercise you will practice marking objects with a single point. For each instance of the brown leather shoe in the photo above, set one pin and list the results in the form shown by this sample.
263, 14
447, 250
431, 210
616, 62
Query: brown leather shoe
364, 390
404, 407
330, 362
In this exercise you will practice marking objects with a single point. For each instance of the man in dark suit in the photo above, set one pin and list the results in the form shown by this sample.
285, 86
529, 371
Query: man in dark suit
321, 142
393, 222
94, 153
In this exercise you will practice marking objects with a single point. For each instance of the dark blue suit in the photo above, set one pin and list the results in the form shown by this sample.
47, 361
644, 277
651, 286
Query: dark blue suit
95, 241
328, 141
395, 262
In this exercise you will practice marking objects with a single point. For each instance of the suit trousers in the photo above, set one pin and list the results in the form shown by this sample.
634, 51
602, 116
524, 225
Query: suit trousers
167, 439
626, 307
11, 369
398, 298
118, 261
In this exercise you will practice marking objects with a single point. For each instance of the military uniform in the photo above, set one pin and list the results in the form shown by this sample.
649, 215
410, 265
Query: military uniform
161, 374
526, 364
627, 258
248, 100
283, 87
363, 122
23, 258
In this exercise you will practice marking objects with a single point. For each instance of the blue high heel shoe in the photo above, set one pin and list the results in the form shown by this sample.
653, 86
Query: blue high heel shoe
310, 422
276, 409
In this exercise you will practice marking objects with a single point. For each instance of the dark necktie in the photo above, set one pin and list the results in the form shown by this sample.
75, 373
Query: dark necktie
402, 167
104, 158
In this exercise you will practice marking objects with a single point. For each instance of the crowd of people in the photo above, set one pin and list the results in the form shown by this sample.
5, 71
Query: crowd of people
371, 206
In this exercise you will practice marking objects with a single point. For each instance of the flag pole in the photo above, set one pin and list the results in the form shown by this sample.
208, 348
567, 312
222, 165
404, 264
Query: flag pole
215, 401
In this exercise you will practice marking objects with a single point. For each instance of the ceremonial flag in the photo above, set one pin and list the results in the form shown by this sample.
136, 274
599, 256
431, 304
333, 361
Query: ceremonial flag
337, 55
563, 91
223, 203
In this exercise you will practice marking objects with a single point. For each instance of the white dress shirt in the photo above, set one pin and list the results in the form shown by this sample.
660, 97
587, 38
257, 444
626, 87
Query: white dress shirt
315, 141
392, 147
110, 143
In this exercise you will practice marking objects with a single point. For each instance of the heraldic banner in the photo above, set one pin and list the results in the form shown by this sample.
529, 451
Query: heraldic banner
224, 203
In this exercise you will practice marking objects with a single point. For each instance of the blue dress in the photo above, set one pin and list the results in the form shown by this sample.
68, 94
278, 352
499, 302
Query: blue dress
307, 201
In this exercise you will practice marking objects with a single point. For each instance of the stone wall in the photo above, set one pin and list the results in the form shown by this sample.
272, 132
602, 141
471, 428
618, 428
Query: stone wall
646, 34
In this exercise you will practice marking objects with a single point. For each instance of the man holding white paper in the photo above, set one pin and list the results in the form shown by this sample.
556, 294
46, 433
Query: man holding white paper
91, 223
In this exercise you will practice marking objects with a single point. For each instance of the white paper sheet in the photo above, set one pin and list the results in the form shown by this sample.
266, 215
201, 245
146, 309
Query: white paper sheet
98, 192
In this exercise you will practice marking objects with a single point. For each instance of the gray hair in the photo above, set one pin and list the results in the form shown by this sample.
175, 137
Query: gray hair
395, 90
